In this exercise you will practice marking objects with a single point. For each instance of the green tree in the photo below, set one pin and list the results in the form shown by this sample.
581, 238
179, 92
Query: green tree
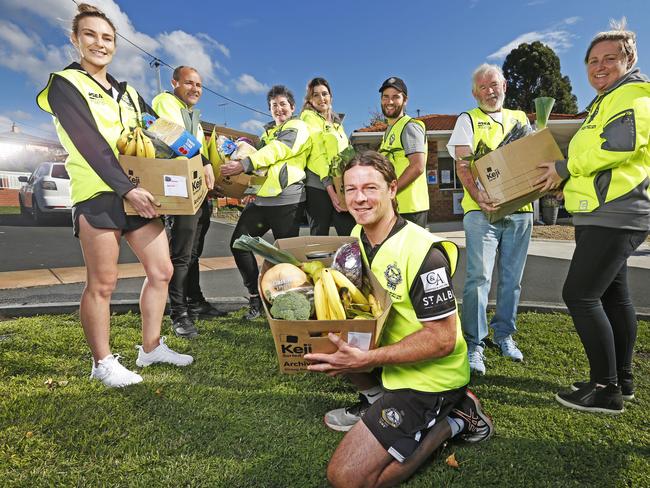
533, 70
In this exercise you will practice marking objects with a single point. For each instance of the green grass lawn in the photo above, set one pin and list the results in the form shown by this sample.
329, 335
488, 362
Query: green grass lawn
5, 210
231, 420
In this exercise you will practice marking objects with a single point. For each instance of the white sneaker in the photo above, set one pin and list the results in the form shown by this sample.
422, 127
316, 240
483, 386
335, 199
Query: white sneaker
110, 372
162, 354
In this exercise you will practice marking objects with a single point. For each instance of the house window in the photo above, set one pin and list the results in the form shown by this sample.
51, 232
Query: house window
447, 178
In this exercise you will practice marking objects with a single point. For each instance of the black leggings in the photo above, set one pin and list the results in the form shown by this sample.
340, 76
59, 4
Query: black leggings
186, 234
282, 220
321, 214
597, 296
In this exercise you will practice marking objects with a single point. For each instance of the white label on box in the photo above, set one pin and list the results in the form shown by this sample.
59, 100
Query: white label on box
175, 186
360, 340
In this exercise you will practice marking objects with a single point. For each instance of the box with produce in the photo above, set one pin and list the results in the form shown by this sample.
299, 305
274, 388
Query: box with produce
316, 285
222, 149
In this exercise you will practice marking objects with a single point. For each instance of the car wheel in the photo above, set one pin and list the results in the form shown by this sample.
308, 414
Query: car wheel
37, 213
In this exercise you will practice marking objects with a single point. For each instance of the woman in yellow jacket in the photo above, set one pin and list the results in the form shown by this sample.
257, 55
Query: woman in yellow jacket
606, 180
328, 140
90, 110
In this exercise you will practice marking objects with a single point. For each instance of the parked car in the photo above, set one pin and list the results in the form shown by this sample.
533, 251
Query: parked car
45, 192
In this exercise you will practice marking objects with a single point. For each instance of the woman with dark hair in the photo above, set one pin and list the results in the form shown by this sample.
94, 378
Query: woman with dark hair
90, 110
606, 180
278, 205
328, 140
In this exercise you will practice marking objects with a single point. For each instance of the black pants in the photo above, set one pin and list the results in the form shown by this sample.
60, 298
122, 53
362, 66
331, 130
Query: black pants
186, 234
321, 215
419, 218
597, 296
282, 220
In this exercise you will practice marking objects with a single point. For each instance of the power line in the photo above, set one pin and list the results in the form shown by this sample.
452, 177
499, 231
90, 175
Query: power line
156, 59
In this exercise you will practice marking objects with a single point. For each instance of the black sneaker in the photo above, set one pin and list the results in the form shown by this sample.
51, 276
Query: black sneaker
343, 419
627, 388
478, 424
203, 310
254, 307
590, 398
184, 326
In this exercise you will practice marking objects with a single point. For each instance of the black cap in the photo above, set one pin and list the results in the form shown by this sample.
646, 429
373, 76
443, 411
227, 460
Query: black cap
394, 82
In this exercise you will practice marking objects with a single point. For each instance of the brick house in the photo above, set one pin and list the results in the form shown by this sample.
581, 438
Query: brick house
445, 189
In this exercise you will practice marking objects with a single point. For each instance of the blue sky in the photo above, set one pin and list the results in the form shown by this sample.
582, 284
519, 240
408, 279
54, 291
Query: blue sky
242, 50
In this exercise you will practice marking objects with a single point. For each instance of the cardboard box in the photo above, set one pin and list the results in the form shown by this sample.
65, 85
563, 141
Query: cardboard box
507, 174
178, 184
295, 338
239, 186
337, 181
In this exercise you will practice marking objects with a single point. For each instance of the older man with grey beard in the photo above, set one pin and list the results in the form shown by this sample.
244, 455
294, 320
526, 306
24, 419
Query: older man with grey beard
489, 123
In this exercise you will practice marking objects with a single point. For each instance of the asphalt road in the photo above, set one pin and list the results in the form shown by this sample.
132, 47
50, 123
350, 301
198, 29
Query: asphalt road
24, 246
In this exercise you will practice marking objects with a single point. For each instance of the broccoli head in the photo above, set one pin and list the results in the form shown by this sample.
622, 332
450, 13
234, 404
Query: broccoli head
291, 306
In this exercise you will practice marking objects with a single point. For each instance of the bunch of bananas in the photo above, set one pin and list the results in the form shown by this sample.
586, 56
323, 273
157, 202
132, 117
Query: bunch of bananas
136, 143
337, 298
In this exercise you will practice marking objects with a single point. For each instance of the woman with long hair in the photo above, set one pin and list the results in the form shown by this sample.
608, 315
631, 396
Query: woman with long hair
90, 110
328, 140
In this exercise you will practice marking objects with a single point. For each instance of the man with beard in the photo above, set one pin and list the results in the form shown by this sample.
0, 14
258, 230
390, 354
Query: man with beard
187, 232
489, 122
405, 145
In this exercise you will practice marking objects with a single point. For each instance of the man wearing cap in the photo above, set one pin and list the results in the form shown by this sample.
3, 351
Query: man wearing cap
508, 238
405, 145
187, 232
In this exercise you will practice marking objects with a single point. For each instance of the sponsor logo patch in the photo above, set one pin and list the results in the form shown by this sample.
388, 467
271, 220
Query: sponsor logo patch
435, 280
392, 417
393, 276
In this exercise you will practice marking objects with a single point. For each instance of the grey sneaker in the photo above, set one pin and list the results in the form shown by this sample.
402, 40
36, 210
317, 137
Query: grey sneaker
476, 359
509, 349
162, 354
254, 307
478, 424
343, 419
184, 327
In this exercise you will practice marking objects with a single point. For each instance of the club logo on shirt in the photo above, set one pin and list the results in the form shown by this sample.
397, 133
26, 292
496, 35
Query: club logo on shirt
483, 124
435, 280
393, 276
94, 96
391, 139
392, 417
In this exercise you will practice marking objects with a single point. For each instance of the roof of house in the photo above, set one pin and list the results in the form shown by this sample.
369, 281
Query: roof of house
22, 138
447, 122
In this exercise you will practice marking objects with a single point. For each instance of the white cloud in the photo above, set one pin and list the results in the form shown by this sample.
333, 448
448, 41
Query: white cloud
558, 40
248, 84
252, 125
24, 51
19, 115
571, 20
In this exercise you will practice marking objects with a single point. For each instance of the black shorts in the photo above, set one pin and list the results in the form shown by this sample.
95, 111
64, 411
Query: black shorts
400, 419
106, 211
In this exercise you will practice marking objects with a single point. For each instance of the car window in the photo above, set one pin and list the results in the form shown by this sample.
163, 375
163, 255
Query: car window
59, 171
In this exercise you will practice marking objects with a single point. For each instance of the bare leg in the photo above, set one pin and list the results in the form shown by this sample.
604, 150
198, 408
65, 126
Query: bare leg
361, 461
100, 248
150, 245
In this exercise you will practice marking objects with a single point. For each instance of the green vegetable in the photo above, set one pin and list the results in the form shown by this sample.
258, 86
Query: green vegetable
291, 306
262, 248
340, 160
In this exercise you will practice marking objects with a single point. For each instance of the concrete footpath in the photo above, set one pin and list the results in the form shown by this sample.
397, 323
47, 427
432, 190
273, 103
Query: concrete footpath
57, 290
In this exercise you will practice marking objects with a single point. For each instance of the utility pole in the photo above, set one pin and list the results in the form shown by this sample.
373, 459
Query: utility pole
156, 64
225, 124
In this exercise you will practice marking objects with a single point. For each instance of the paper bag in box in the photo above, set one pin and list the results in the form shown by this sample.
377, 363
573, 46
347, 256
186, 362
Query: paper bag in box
233, 186
295, 338
177, 184
508, 173
337, 181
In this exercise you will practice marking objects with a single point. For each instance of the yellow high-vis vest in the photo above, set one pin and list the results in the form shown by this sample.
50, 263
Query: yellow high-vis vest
414, 197
491, 132
328, 140
111, 117
403, 254
169, 106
